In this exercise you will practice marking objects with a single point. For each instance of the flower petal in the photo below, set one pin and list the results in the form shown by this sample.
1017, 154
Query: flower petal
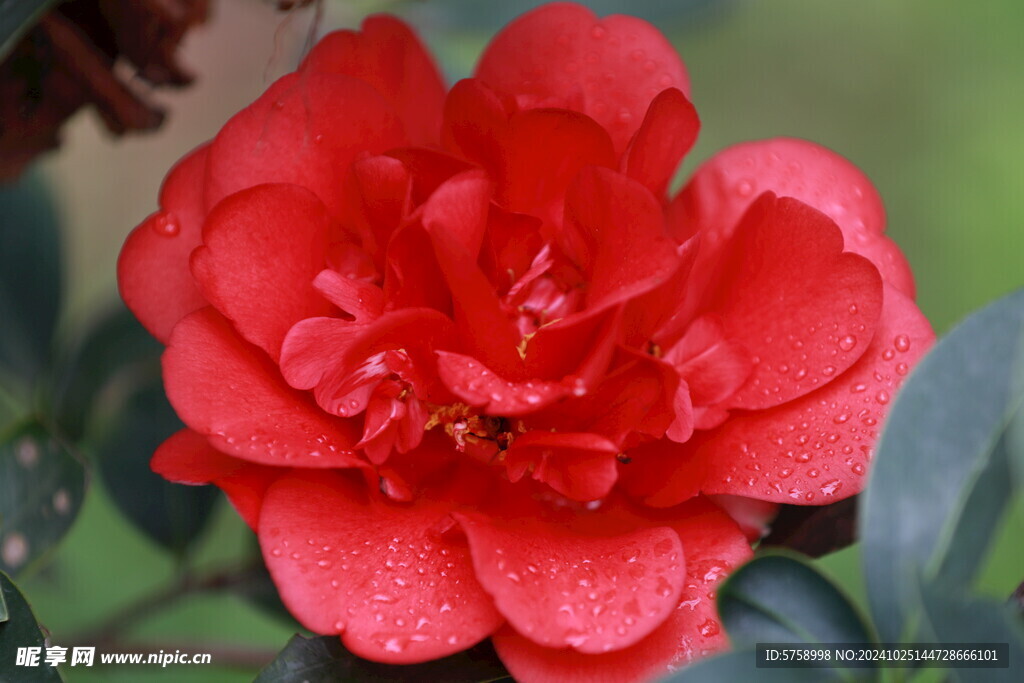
153, 273
387, 55
666, 135
803, 309
262, 249
562, 55
306, 129
817, 449
616, 233
187, 457
723, 188
347, 561
559, 588
477, 385
228, 391
663, 473
581, 467
713, 547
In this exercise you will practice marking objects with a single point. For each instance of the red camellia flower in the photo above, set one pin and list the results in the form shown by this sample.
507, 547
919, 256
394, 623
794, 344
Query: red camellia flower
469, 372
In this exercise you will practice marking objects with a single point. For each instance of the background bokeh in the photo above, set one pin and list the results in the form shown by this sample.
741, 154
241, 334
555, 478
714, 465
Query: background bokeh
924, 95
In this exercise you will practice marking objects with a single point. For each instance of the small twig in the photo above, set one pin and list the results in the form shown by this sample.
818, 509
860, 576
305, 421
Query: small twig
187, 584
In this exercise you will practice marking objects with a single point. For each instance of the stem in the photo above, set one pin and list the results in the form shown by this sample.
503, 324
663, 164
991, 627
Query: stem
188, 583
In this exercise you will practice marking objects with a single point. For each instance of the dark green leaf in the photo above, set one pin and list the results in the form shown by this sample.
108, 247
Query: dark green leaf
30, 269
16, 18
782, 599
42, 486
741, 665
171, 514
20, 629
949, 618
940, 479
117, 349
325, 660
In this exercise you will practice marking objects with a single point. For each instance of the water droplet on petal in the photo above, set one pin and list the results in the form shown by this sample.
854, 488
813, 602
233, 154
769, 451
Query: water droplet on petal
848, 342
902, 343
166, 224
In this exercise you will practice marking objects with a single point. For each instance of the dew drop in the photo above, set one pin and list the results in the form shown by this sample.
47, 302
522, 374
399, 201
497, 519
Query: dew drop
848, 342
902, 343
709, 628
166, 224
882, 397
902, 369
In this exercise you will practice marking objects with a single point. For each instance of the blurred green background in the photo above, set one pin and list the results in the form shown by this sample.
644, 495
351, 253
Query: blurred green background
925, 96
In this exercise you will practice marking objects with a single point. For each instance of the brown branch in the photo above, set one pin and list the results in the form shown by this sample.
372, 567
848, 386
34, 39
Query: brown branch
188, 584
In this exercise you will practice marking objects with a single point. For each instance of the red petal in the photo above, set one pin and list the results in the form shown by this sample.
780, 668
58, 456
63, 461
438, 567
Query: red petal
387, 55
636, 395
227, 390
262, 248
722, 189
312, 345
713, 547
188, 458
378, 196
666, 135
412, 276
419, 332
618, 236
560, 588
817, 449
579, 466
348, 562
306, 129
803, 309
477, 385
153, 273
542, 152
712, 366
663, 473
360, 299
753, 516
455, 218
562, 55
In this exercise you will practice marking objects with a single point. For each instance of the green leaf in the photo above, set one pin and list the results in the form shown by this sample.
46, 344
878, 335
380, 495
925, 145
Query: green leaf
325, 660
172, 515
783, 599
940, 479
741, 665
16, 18
42, 486
30, 271
949, 618
115, 350
20, 629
